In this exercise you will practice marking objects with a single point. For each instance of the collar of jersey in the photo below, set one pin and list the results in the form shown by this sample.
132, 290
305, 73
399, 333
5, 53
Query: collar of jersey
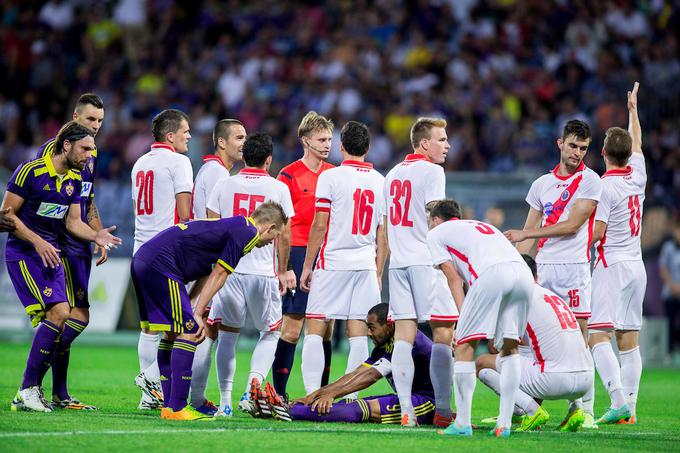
564, 178
454, 218
53, 172
159, 145
213, 157
253, 171
357, 163
619, 171
414, 157
250, 221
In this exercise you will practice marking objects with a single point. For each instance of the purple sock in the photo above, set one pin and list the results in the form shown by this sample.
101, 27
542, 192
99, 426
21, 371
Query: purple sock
283, 363
354, 412
327, 351
181, 362
163, 358
41, 354
72, 328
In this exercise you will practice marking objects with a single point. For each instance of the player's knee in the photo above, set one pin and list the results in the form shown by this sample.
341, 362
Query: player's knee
290, 335
81, 314
485, 361
58, 314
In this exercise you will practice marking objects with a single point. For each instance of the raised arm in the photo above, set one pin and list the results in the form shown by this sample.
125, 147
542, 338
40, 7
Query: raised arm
634, 127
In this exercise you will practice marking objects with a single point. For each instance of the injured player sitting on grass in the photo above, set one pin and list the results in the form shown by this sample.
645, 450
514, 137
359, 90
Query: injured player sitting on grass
320, 406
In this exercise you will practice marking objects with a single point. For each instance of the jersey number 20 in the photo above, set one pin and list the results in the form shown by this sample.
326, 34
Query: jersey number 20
144, 181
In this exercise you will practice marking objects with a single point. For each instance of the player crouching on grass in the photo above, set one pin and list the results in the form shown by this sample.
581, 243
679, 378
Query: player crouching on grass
319, 406
559, 366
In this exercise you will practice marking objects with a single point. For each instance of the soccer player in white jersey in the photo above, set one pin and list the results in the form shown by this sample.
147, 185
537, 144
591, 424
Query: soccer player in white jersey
561, 216
253, 285
228, 138
619, 277
495, 307
162, 181
417, 291
348, 235
558, 367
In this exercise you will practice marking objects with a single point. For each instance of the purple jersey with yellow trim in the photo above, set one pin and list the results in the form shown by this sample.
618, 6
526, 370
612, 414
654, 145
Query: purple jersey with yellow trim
381, 359
47, 198
71, 245
187, 251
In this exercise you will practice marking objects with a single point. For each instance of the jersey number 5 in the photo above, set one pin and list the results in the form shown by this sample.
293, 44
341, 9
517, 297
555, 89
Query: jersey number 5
398, 212
252, 201
144, 182
363, 211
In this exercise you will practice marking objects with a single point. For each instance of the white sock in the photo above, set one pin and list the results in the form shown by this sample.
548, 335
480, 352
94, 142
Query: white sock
225, 364
609, 371
200, 371
511, 372
492, 379
147, 349
263, 356
587, 401
402, 374
463, 389
358, 352
631, 371
441, 374
312, 362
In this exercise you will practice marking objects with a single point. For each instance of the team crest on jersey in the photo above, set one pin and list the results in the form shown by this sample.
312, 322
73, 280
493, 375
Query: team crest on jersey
189, 324
547, 209
69, 189
47, 291
565, 195
80, 294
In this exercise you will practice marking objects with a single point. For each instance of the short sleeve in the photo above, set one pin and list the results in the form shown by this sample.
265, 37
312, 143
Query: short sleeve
286, 178
438, 250
286, 202
183, 177
591, 188
533, 198
436, 186
323, 192
213, 200
77, 190
20, 182
240, 242
604, 208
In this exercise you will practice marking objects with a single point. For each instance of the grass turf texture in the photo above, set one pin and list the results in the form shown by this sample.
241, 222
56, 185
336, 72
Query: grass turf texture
103, 376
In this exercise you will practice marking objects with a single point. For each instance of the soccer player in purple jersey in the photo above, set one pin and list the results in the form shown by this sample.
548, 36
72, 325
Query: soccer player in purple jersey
205, 251
319, 406
42, 196
76, 256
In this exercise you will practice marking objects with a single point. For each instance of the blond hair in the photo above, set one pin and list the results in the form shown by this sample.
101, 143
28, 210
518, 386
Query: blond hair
311, 122
270, 212
422, 127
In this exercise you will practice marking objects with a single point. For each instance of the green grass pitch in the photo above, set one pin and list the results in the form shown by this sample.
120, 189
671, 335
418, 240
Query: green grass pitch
103, 375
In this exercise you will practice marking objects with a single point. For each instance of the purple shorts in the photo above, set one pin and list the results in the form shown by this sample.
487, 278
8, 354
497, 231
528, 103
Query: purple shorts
77, 274
390, 410
37, 286
164, 303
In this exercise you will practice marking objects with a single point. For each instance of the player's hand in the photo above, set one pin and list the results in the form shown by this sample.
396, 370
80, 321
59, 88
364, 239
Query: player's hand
287, 281
632, 98
48, 254
105, 254
200, 332
307, 400
306, 279
322, 404
515, 236
6, 223
105, 239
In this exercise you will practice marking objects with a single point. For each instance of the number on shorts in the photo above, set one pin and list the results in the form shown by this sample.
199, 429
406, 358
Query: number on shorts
564, 314
574, 298
398, 190
635, 221
144, 181
245, 203
363, 211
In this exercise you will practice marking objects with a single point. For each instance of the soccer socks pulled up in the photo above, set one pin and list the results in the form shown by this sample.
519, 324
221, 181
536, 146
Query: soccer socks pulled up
464, 388
147, 349
163, 358
358, 352
312, 365
631, 372
225, 364
609, 371
492, 379
511, 372
402, 374
72, 328
354, 412
263, 356
282, 365
200, 371
180, 364
327, 355
41, 355
441, 374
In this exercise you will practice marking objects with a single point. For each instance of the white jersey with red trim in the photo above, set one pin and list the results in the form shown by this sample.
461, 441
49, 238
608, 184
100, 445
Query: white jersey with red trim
623, 194
409, 186
352, 194
471, 245
554, 334
554, 196
157, 177
241, 194
211, 171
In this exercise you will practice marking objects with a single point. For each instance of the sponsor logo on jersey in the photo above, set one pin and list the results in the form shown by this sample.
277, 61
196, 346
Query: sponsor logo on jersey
69, 189
47, 187
52, 210
85, 191
47, 291
565, 195
547, 209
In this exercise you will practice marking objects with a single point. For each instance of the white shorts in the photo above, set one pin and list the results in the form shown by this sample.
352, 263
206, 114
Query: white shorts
618, 293
342, 294
497, 305
422, 293
256, 294
551, 386
569, 281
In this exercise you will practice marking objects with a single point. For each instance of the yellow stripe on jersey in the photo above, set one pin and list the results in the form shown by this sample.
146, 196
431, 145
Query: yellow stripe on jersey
48, 150
251, 245
226, 266
26, 169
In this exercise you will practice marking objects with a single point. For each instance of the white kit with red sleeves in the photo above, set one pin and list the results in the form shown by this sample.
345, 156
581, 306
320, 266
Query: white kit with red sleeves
211, 171
157, 177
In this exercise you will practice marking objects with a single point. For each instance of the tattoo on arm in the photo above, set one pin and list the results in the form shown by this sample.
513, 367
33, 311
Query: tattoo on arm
93, 217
